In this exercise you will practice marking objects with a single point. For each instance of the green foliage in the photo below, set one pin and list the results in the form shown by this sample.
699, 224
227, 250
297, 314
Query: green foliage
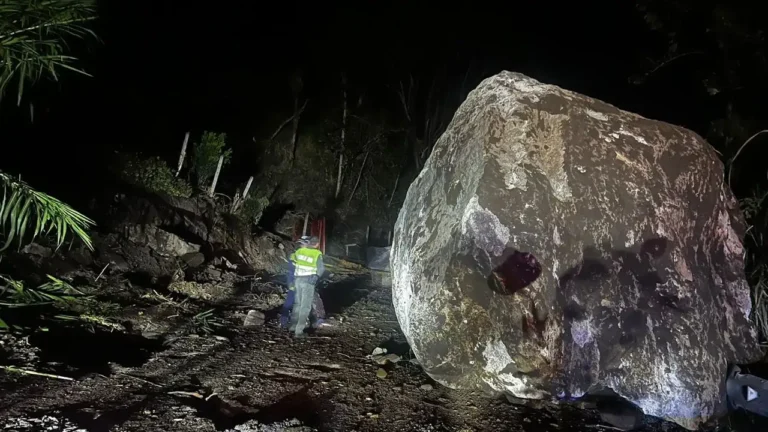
15, 294
206, 155
205, 323
752, 205
756, 259
154, 175
21, 205
253, 208
32, 38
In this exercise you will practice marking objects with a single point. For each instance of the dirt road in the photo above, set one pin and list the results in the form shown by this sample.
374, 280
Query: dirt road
256, 379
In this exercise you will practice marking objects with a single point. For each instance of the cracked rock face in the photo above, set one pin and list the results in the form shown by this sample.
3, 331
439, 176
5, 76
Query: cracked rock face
554, 245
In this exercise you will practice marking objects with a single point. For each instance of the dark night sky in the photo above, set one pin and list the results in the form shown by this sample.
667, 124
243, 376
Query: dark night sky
166, 67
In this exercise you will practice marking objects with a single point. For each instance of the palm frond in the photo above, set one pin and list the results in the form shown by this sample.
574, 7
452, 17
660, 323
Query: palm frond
15, 294
33, 36
21, 206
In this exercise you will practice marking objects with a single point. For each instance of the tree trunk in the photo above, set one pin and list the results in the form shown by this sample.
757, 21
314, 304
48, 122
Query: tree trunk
183, 154
216, 176
359, 175
343, 135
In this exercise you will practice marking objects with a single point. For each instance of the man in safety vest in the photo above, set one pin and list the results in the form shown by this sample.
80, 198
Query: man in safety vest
316, 316
308, 267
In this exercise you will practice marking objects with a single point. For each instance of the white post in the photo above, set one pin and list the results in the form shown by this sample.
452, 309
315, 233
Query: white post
306, 222
240, 199
183, 154
247, 188
216, 176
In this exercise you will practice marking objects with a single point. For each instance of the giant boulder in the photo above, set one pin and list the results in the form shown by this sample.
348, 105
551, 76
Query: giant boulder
555, 246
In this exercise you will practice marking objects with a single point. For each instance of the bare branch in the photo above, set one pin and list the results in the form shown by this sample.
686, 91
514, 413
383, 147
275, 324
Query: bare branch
288, 120
733, 159
359, 175
664, 63
394, 189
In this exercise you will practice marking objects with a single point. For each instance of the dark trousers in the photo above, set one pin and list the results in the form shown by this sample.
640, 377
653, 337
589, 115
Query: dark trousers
302, 305
316, 316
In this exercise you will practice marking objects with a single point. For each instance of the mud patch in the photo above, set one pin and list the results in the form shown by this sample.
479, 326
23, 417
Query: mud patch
79, 351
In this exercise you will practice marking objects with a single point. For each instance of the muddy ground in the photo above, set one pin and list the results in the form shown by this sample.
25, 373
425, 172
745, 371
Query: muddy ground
221, 375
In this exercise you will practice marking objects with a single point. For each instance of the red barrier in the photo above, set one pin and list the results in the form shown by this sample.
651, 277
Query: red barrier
315, 227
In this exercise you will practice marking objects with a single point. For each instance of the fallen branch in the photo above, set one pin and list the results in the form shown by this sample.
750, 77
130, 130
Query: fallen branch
139, 379
102, 272
189, 394
29, 372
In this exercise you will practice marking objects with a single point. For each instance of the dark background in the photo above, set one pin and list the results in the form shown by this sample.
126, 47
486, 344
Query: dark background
165, 67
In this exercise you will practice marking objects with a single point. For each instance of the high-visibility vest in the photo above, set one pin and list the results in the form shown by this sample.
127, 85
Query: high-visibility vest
305, 261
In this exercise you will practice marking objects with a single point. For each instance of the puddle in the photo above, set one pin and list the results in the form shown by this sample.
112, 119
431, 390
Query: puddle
87, 351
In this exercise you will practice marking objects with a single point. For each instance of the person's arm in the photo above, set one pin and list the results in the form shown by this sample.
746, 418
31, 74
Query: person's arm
320, 266
291, 272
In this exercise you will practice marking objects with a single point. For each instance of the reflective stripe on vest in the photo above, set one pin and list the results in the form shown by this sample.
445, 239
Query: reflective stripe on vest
305, 260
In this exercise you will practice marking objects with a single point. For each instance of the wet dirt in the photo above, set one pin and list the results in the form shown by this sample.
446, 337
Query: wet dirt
260, 379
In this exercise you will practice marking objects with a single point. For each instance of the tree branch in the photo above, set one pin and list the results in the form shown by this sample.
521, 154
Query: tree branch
288, 120
359, 175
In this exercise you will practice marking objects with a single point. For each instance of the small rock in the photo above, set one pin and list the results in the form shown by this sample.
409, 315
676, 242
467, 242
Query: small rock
384, 358
36, 249
393, 358
212, 273
193, 259
427, 387
254, 319
381, 373
379, 351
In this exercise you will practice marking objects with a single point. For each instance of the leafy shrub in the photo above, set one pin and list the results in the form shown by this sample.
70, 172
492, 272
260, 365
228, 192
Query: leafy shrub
206, 155
154, 175
253, 208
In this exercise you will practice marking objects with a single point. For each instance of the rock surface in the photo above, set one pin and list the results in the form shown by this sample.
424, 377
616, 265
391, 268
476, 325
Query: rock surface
555, 246
171, 227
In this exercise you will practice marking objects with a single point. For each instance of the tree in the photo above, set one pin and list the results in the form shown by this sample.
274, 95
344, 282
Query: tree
33, 37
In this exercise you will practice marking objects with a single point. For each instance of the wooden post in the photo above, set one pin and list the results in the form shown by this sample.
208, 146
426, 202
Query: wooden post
216, 176
183, 154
